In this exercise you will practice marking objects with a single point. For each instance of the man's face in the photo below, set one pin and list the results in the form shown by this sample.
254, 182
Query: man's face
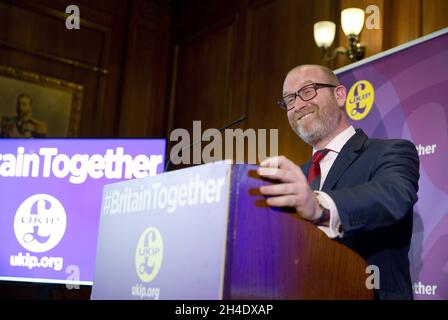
24, 107
317, 118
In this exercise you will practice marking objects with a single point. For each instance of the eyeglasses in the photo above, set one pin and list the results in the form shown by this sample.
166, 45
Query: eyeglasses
305, 93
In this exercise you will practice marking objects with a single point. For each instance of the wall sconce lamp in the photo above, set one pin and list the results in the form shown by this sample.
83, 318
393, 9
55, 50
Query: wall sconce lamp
352, 20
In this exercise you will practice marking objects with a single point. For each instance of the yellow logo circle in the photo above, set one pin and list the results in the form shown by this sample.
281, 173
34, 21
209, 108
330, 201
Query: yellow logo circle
149, 254
360, 100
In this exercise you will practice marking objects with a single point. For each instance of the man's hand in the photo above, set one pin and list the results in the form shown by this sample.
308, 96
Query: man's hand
292, 190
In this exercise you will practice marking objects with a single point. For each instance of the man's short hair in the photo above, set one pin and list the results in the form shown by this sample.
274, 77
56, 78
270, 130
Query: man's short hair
331, 77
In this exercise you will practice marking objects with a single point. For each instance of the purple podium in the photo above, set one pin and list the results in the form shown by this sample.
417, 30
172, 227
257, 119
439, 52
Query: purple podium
205, 232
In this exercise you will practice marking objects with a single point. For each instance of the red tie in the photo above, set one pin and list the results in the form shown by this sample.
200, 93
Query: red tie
314, 171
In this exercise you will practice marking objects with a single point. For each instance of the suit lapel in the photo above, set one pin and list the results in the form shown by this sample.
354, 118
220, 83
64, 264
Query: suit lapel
345, 158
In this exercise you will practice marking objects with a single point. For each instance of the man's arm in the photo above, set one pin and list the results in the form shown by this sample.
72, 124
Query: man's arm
387, 197
382, 201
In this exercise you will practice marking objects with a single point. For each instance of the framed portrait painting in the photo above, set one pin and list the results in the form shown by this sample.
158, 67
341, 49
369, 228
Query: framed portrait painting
33, 105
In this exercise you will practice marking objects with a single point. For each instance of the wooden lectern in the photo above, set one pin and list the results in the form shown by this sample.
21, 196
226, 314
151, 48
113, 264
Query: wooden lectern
205, 232
274, 254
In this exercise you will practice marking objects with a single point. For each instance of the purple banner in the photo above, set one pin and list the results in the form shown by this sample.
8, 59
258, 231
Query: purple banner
50, 195
401, 93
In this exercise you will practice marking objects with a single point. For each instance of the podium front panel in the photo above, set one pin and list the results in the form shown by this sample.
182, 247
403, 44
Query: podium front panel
164, 237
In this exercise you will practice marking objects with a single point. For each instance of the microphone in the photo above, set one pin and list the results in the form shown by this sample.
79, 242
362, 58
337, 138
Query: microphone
234, 122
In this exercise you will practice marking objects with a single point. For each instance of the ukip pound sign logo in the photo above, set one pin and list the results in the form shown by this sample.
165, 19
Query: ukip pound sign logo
360, 100
149, 254
40, 223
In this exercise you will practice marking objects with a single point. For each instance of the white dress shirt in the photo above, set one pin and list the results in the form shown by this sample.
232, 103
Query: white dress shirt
324, 199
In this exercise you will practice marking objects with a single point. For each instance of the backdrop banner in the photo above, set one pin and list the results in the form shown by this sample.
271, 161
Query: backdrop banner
402, 93
50, 195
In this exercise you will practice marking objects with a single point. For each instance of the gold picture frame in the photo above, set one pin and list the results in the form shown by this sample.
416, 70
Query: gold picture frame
56, 104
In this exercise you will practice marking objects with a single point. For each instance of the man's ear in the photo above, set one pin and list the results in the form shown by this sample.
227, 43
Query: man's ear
340, 93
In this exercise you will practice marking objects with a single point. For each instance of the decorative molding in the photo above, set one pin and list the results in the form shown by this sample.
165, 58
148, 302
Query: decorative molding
51, 12
55, 58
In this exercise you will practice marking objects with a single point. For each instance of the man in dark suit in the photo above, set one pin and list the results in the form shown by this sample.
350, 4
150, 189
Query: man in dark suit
357, 190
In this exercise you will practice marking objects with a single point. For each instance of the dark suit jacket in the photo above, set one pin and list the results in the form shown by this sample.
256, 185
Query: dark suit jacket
374, 185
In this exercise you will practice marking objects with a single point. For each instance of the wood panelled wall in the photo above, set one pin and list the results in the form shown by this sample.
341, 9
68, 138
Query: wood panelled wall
230, 57
172, 62
128, 38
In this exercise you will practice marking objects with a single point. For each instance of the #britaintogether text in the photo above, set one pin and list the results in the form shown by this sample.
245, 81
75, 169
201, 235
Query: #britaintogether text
112, 165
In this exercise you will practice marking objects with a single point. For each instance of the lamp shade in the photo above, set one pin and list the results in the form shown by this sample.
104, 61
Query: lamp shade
324, 32
352, 20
